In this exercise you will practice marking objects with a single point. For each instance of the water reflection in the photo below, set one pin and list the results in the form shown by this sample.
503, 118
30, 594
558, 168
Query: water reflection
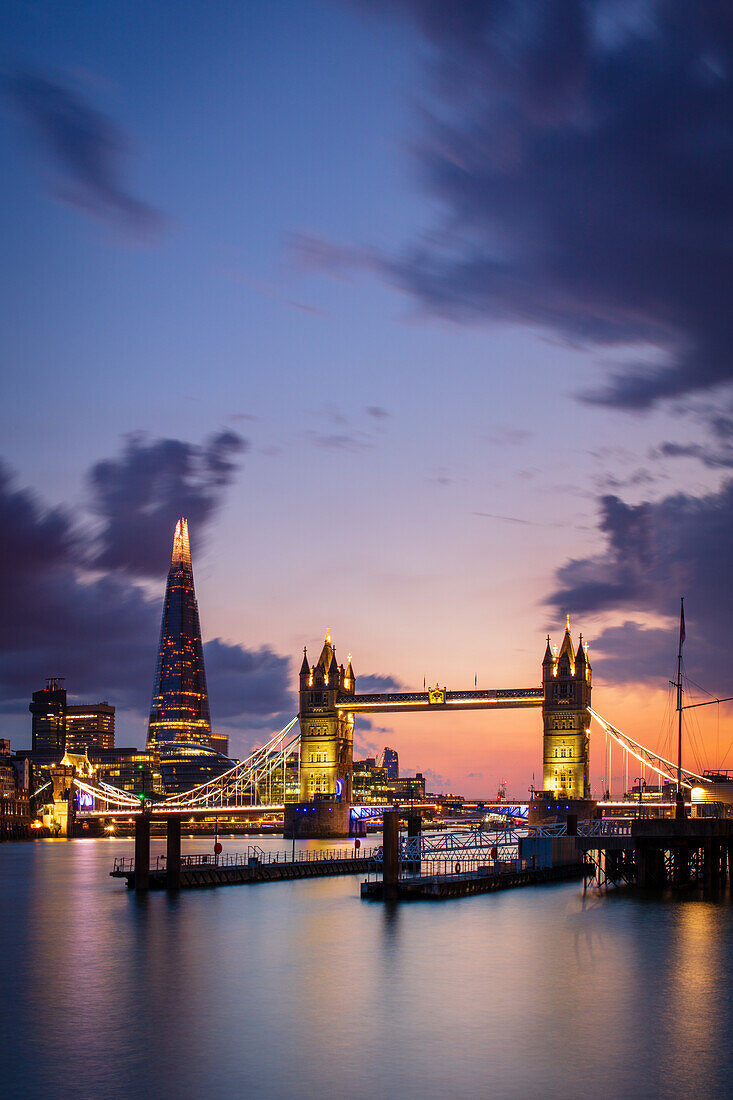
300, 989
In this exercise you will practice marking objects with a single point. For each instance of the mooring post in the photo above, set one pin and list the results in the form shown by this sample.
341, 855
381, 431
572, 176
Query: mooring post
142, 851
390, 854
173, 854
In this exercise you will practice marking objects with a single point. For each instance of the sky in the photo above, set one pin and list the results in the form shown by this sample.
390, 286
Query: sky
418, 311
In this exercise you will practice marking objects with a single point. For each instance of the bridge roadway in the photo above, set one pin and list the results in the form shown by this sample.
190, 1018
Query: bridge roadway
159, 811
440, 699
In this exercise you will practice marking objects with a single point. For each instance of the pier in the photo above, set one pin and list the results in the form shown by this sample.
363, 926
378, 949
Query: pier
195, 871
659, 853
482, 880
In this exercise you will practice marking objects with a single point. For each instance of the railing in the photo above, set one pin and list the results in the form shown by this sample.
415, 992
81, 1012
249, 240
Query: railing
463, 867
474, 840
594, 827
390, 698
255, 857
604, 828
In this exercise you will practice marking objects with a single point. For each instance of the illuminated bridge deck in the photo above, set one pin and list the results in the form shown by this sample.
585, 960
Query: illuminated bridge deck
491, 699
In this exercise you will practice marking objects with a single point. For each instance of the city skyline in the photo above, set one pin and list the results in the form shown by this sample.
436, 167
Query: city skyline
425, 375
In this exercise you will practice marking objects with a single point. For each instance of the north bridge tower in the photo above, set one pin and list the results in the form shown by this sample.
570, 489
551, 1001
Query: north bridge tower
326, 747
566, 683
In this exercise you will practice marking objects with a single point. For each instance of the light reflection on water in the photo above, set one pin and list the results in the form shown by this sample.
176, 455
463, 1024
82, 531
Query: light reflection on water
301, 989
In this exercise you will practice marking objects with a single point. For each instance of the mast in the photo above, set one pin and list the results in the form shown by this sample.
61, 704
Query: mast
680, 803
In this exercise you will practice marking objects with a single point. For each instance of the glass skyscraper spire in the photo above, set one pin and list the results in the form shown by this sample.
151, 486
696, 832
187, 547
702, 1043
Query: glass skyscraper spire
179, 710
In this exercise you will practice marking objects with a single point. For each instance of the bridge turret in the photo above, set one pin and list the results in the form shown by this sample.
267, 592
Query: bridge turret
333, 672
305, 670
566, 679
582, 667
326, 730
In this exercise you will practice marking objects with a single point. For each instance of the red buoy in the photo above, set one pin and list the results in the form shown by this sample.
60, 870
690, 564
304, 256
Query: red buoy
217, 848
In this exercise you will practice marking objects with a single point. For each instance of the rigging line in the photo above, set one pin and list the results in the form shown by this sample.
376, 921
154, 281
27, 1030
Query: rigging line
667, 723
694, 740
625, 738
722, 762
700, 687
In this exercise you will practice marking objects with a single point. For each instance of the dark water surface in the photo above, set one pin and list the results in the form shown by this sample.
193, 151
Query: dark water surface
300, 989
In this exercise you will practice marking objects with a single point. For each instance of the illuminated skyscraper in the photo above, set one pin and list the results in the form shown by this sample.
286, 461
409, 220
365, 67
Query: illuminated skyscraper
390, 761
180, 706
90, 727
48, 708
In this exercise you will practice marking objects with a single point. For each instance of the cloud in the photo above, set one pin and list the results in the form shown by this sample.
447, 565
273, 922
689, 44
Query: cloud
340, 434
376, 684
581, 155
716, 452
507, 435
247, 684
139, 496
654, 552
509, 519
85, 146
436, 783
338, 441
101, 634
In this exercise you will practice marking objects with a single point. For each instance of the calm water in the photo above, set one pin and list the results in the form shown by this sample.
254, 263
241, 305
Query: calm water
302, 990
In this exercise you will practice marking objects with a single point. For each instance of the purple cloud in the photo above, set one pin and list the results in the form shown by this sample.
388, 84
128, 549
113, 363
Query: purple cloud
140, 495
581, 153
655, 552
85, 146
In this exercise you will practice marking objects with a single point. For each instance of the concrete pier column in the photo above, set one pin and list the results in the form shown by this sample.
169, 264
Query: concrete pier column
390, 854
173, 854
142, 852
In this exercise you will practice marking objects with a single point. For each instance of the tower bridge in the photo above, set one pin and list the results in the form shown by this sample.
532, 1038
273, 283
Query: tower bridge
329, 705
322, 734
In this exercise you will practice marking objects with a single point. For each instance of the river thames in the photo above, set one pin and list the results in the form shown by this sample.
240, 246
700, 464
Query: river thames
300, 989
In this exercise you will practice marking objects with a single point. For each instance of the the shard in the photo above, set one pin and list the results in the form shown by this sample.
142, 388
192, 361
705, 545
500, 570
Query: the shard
179, 710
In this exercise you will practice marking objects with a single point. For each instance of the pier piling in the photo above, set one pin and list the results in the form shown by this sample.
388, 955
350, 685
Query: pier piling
390, 854
173, 854
142, 852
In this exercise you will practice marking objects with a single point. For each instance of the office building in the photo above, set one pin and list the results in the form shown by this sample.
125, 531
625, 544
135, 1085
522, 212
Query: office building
48, 710
90, 727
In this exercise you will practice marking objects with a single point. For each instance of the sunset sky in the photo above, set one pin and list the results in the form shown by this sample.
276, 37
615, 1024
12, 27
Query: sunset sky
419, 311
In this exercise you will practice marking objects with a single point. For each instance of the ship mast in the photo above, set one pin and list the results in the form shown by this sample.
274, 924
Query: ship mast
680, 802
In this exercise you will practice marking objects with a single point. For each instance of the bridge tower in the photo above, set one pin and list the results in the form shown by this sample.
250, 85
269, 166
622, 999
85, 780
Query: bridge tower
326, 747
566, 680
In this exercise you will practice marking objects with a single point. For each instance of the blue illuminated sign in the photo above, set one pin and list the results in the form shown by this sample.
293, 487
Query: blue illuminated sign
84, 800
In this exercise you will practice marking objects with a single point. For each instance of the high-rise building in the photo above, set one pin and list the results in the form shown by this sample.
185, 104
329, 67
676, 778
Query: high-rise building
180, 706
90, 727
390, 761
48, 708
